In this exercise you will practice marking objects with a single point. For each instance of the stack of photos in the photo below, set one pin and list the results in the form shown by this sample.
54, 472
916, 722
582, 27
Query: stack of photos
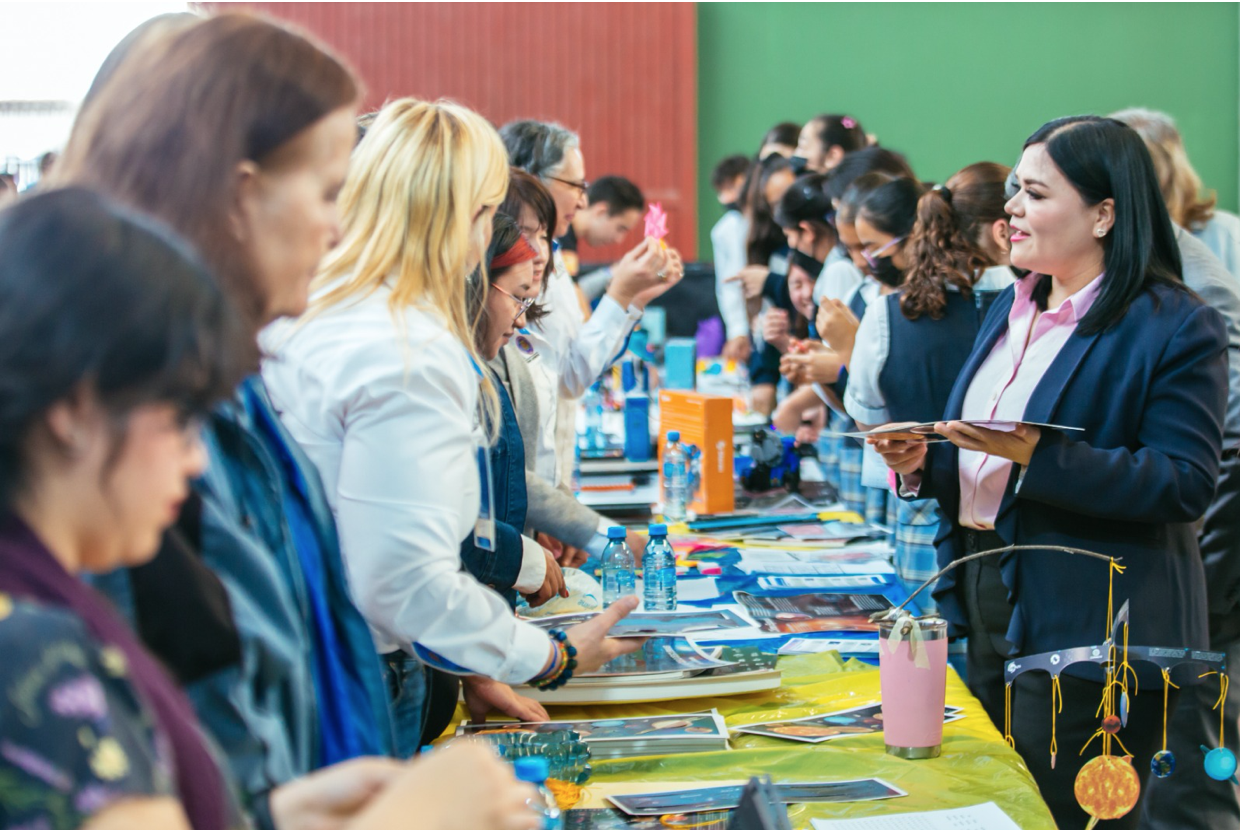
628, 737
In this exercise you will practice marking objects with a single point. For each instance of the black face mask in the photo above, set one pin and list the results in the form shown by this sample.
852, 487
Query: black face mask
886, 272
732, 206
811, 266
799, 164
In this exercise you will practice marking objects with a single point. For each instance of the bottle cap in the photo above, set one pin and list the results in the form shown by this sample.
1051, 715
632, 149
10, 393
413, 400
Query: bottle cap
657, 530
532, 769
616, 532
673, 435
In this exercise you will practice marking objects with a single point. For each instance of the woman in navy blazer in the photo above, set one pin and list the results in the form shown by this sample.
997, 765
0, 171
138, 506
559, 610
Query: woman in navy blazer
1101, 335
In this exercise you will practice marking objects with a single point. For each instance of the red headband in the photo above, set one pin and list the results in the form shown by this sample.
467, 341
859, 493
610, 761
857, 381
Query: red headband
518, 253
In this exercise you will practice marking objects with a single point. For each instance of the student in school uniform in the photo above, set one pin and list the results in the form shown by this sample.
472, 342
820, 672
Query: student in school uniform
1102, 335
727, 242
382, 385
912, 344
825, 141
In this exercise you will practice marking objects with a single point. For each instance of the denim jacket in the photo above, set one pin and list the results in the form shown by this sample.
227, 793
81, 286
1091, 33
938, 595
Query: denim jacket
262, 711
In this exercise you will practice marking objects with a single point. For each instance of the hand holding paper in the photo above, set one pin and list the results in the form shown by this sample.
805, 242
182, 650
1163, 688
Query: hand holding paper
1016, 444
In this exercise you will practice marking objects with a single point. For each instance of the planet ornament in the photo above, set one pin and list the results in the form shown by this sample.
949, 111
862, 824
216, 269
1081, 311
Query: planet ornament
1163, 763
1110, 724
1107, 787
1220, 763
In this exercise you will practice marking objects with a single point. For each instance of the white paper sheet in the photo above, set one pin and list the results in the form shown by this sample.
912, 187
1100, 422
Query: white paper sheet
820, 583
986, 816
812, 563
810, 645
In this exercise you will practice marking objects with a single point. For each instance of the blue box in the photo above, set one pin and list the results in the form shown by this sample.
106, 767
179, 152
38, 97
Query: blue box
637, 426
680, 363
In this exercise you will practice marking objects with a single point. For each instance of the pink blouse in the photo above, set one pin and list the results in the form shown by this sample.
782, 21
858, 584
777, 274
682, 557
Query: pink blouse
1003, 385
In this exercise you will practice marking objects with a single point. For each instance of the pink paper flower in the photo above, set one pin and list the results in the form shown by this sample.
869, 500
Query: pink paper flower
656, 221
848, 122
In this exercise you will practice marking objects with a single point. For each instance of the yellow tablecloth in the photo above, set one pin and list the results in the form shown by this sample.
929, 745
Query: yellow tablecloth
976, 765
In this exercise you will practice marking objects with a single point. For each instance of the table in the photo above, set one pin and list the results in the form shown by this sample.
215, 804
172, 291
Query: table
976, 765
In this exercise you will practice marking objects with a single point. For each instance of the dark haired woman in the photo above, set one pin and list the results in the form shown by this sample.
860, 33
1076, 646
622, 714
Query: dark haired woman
912, 344
237, 132
560, 522
780, 140
1101, 335
118, 342
825, 140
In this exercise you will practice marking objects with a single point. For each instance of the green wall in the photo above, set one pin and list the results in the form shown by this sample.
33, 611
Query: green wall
949, 84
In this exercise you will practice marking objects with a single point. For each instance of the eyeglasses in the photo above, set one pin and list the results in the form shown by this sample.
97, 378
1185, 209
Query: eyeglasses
582, 185
872, 256
522, 305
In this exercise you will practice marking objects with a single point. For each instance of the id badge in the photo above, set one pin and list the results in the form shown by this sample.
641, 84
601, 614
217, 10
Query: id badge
484, 527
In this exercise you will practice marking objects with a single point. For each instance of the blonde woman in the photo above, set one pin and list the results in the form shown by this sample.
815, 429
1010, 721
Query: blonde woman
1190, 206
379, 383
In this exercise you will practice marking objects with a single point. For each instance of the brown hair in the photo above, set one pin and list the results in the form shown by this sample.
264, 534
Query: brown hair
166, 131
525, 190
945, 245
1190, 207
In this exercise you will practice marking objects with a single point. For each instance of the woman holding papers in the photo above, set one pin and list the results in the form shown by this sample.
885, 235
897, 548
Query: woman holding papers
1103, 336
930, 247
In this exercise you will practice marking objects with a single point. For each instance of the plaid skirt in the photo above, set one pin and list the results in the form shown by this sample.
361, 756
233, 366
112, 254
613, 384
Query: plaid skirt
917, 523
876, 506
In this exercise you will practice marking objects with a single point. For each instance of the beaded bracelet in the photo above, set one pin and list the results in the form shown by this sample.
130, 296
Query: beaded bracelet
563, 665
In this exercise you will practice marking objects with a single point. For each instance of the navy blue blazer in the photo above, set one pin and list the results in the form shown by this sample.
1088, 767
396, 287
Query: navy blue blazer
1150, 394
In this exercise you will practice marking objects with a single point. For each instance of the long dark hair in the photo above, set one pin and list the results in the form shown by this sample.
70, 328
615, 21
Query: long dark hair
1105, 159
890, 204
526, 190
765, 237
806, 201
944, 247
92, 295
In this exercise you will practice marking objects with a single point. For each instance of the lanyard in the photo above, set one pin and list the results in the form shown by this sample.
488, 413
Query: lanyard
484, 526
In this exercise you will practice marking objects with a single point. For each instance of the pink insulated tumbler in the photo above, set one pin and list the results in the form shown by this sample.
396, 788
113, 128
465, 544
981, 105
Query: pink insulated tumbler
913, 677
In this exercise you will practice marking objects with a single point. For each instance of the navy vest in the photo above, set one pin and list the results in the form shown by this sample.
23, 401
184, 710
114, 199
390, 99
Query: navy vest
926, 356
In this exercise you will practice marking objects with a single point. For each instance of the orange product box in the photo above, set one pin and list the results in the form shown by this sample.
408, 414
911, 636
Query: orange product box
705, 421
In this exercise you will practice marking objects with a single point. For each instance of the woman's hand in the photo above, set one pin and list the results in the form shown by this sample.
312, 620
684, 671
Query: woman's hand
837, 325
904, 457
815, 367
484, 695
463, 786
775, 329
1016, 446
331, 797
752, 279
553, 583
738, 349
673, 271
590, 639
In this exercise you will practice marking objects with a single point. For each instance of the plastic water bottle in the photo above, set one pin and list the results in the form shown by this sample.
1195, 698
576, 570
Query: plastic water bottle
675, 479
535, 770
594, 418
619, 569
693, 457
659, 571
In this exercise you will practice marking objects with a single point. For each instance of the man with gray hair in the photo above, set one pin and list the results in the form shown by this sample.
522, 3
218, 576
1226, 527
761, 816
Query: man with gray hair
575, 349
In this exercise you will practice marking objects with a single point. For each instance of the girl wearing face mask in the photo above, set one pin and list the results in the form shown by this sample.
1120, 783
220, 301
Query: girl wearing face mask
382, 384
1103, 335
915, 340
237, 133
824, 141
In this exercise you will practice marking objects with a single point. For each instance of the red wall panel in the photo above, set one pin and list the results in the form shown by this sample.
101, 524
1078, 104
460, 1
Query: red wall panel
623, 75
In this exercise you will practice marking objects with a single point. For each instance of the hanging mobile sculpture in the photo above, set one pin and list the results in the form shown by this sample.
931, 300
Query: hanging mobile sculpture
1108, 786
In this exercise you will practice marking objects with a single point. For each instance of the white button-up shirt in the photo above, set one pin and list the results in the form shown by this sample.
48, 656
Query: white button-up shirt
386, 407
